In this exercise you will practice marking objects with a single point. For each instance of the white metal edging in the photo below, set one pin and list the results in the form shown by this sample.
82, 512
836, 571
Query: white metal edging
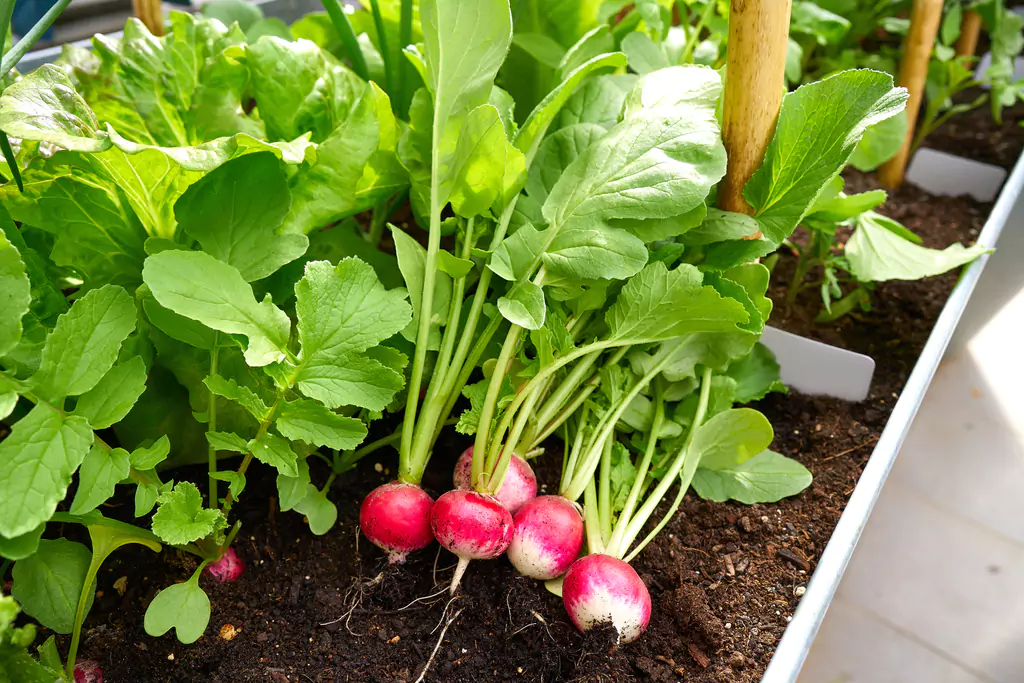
789, 657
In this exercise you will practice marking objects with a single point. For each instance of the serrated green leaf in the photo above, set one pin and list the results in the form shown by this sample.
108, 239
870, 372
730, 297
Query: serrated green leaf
595, 252
148, 457
184, 607
342, 312
831, 116
243, 396
15, 291
659, 304
85, 343
226, 441
181, 517
730, 438
49, 583
877, 254
99, 475
113, 397
46, 107
880, 143
476, 393
599, 100
235, 213
311, 422
319, 512
275, 451
198, 286
766, 478
623, 474
38, 457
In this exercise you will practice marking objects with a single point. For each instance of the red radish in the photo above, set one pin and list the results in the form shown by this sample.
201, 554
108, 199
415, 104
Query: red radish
601, 589
228, 568
547, 538
396, 519
474, 526
88, 671
519, 485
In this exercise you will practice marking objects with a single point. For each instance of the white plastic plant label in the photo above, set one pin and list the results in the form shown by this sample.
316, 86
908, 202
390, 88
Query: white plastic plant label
818, 369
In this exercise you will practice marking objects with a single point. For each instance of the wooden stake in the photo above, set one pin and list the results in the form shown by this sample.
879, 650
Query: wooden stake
754, 85
150, 13
970, 30
925, 17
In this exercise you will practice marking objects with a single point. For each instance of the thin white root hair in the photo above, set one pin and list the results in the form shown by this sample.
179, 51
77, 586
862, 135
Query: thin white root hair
440, 639
444, 614
354, 598
424, 598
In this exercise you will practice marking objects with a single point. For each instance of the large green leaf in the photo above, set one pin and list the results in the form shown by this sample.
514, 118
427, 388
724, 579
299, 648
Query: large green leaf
198, 286
731, 438
101, 471
877, 253
311, 422
235, 212
819, 126
343, 311
112, 398
662, 160
49, 583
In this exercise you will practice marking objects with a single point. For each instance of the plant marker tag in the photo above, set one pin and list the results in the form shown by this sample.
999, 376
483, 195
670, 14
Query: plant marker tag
817, 369
947, 174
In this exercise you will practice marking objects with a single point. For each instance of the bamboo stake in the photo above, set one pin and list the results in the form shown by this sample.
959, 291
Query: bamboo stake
754, 85
150, 13
970, 31
925, 17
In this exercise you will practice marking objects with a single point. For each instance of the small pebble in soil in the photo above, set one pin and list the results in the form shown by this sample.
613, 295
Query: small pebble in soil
229, 632
799, 591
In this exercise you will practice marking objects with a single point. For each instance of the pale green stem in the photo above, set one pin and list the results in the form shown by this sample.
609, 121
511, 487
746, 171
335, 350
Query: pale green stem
641, 472
604, 497
211, 426
638, 521
592, 520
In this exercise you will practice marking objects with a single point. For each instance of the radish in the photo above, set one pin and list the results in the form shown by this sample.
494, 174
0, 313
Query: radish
547, 537
601, 589
228, 568
88, 671
473, 526
396, 519
519, 486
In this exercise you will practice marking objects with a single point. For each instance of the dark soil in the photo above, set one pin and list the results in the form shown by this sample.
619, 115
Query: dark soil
724, 578
976, 135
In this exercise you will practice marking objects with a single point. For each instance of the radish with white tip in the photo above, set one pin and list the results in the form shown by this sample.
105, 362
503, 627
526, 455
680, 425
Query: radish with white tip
396, 519
473, 526
547, 538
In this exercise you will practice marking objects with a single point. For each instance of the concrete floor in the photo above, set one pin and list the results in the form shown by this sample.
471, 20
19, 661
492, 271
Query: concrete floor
935, 590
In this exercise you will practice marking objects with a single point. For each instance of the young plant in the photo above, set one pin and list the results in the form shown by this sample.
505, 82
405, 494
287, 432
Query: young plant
879, 249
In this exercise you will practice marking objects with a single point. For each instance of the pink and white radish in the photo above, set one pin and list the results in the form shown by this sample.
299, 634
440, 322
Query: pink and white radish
519, 485
473, 526
88, 671
547, 537
396, 519
601, 589
228, 568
